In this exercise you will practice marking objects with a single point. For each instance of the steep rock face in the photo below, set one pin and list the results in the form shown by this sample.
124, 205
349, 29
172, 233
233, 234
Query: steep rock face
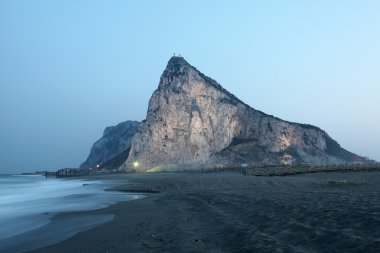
192, 121
115, 140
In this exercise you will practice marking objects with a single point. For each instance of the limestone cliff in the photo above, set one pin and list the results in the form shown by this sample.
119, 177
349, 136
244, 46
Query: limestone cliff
192, 121
115, 141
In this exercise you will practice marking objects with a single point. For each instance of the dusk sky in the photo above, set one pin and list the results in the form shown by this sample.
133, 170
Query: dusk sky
68, 69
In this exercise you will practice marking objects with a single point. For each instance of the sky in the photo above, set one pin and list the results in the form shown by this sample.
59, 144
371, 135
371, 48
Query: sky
70, 68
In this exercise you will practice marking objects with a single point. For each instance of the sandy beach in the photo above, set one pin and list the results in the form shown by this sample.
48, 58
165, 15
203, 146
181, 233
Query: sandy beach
228, 212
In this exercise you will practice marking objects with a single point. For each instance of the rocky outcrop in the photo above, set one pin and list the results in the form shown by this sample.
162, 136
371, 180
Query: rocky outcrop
114, 163
192, 122
114, 142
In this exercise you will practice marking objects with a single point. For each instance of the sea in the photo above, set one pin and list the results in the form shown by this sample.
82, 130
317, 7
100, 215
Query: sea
28, 203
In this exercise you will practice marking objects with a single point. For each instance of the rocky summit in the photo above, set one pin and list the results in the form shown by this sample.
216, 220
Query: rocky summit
115, 141
193, 122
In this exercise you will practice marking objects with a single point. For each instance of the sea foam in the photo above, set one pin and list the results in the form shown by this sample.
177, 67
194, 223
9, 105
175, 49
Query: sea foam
29, 202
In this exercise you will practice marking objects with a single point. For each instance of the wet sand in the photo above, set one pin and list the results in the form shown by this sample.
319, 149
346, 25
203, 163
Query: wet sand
63, 226
228, 212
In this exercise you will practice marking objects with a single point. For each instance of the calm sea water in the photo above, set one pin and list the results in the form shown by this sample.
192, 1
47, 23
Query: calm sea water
29, 202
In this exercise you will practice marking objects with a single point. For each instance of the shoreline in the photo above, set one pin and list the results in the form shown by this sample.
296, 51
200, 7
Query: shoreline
71, 217
61, 227
228, 212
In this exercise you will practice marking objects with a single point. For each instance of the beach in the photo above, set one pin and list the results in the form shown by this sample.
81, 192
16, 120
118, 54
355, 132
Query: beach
229, 212
36, 211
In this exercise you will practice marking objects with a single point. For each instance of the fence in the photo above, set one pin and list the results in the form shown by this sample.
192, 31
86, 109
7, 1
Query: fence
301, 169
